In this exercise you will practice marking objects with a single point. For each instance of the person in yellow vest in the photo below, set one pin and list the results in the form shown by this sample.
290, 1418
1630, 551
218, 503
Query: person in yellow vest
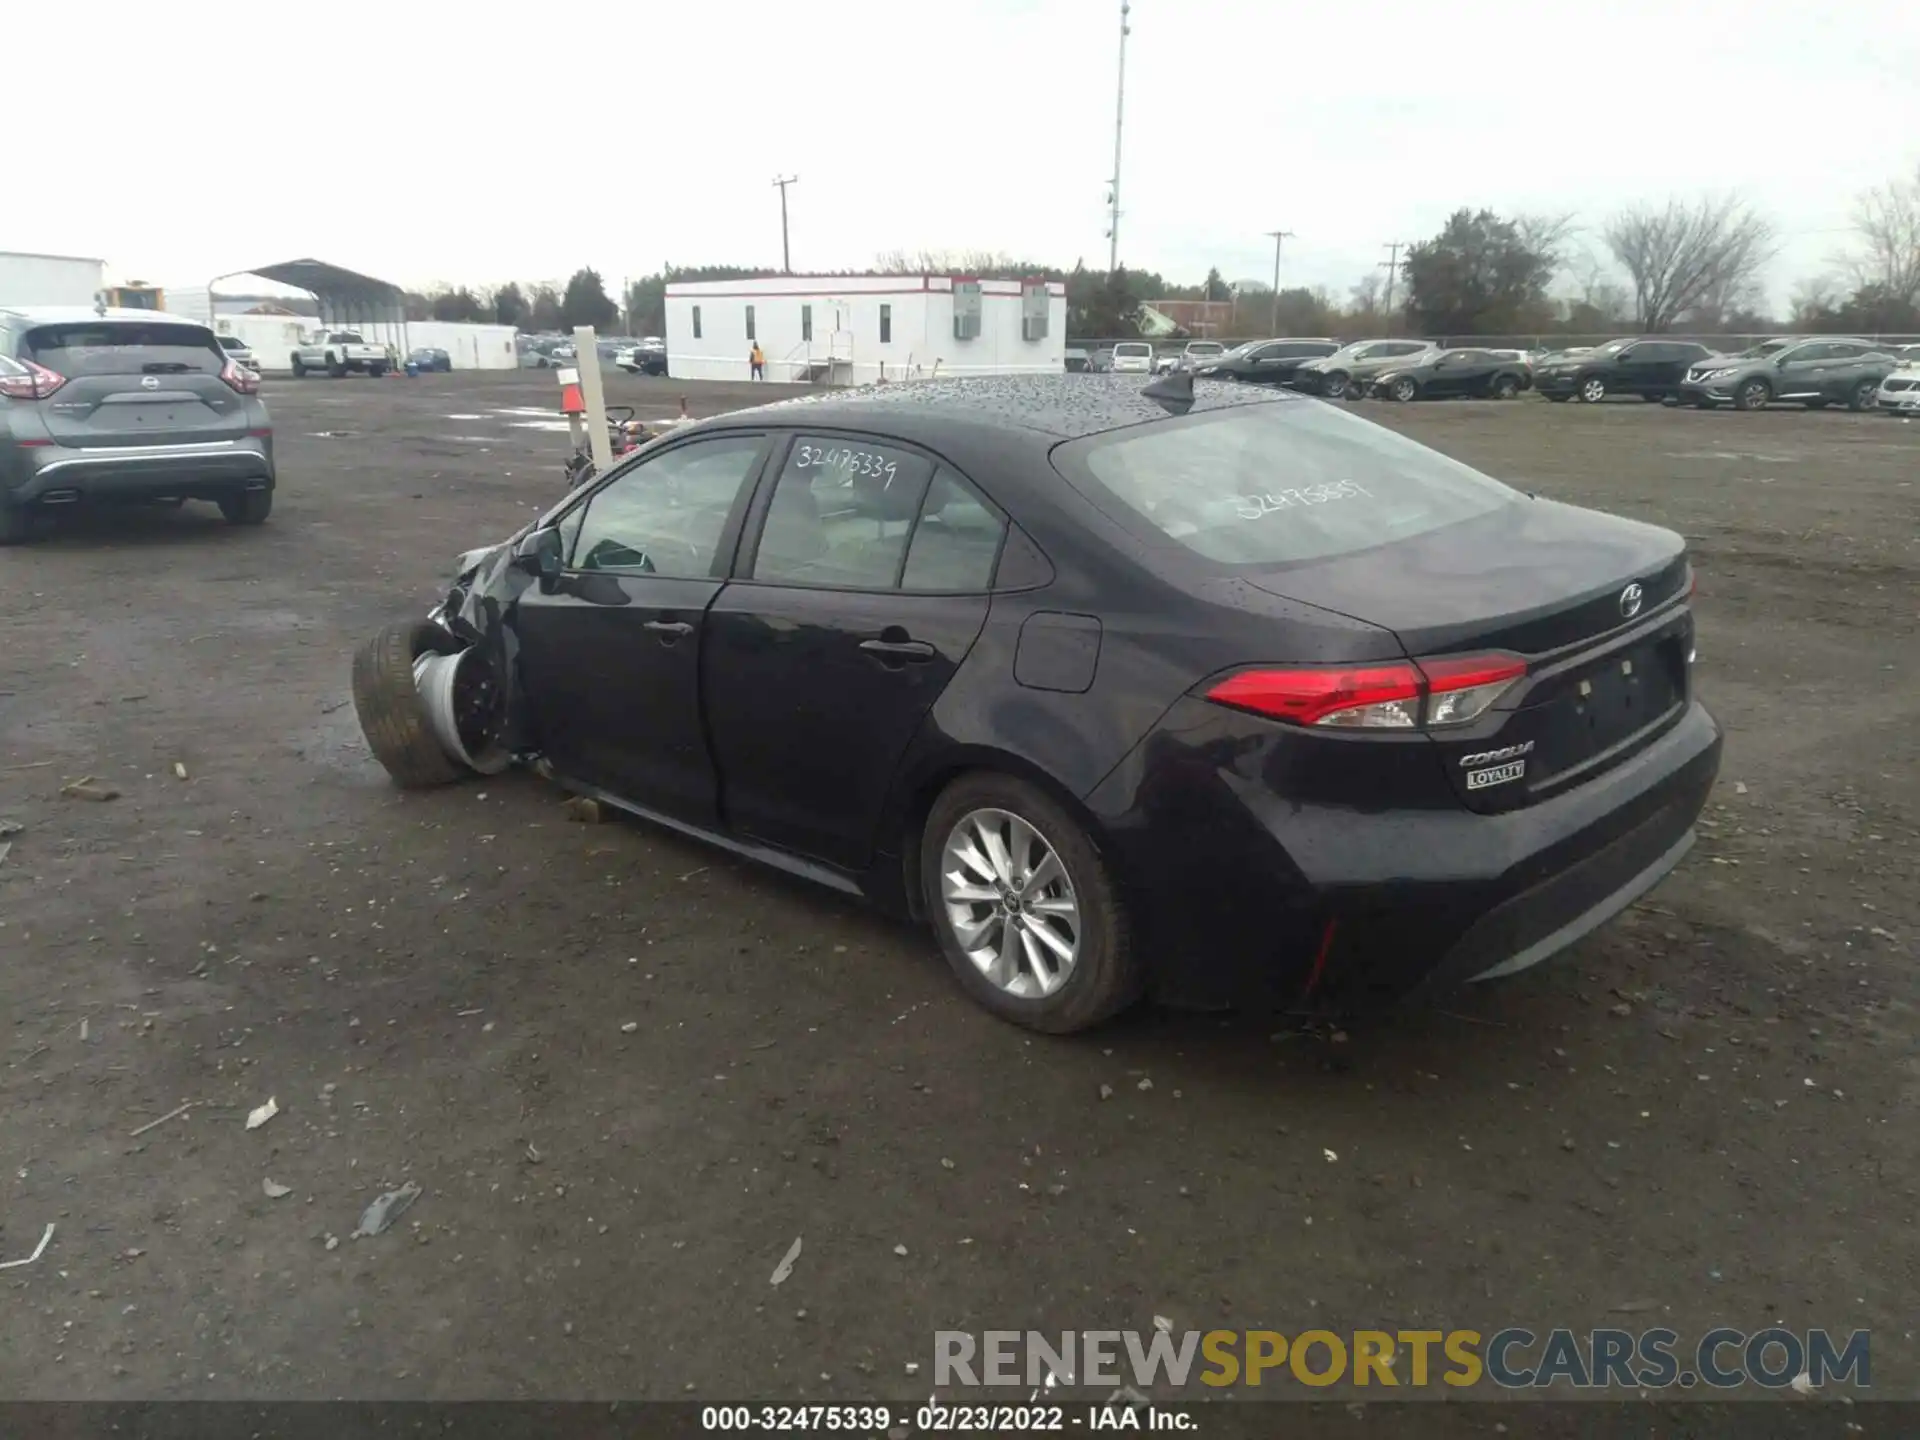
757, 361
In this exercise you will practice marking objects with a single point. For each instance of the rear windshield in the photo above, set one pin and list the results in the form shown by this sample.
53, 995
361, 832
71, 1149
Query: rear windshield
123, 348
1141, 349
1275, 483
232, 342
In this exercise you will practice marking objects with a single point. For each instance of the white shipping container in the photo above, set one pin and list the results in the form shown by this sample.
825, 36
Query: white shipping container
29, 279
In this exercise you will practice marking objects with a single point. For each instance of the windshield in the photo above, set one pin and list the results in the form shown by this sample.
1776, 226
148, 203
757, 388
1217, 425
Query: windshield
1613, 347
1276, 483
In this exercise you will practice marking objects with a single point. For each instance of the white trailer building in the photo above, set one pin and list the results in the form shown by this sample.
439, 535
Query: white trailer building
30, 279
855, 329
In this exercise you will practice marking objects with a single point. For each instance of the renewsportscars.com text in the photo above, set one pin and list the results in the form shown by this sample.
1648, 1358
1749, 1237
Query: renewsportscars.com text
1513, 1358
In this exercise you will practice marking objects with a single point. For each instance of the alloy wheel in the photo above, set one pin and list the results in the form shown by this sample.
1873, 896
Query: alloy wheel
1593, 391
1010, 903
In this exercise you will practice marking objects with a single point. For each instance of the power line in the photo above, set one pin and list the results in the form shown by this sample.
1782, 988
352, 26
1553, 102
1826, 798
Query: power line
1119, 117
1278, 237
1392, 266
786, 261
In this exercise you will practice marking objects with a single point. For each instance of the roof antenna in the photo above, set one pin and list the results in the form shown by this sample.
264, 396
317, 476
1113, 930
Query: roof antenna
1173, 392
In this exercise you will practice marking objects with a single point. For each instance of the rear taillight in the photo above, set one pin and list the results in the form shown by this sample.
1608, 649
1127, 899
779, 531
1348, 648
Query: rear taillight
240, 378
37, 384
1433, 694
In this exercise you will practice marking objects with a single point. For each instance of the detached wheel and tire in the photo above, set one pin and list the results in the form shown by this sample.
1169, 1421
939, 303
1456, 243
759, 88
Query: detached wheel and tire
393, 715
249, 507
1752, 395
1025, 910
1404, 389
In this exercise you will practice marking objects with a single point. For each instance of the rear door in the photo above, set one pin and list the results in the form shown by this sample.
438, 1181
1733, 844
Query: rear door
611, 658
134, 383
863, 584
1847, 366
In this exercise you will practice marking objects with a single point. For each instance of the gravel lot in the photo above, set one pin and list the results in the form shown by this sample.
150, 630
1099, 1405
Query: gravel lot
1704, 1115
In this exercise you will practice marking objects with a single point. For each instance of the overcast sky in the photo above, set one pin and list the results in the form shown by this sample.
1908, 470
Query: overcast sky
430, 142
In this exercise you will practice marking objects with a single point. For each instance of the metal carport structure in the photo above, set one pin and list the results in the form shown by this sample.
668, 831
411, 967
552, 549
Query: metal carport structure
347, 299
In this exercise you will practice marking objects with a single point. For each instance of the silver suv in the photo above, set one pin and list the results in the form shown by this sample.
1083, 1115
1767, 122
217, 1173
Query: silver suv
125, 405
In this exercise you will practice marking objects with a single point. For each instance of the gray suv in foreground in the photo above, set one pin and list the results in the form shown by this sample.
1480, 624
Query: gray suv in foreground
1813, 371
104, 405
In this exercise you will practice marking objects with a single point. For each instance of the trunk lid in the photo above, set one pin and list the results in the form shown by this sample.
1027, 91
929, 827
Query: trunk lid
1594, 603
131, 383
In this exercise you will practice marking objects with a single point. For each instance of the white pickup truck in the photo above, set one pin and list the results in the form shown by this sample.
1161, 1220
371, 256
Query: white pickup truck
337, 352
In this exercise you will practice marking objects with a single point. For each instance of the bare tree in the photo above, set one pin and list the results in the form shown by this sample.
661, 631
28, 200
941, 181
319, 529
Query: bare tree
1812, 299
1365, 296
1686, 257
1887, 220
1548, 237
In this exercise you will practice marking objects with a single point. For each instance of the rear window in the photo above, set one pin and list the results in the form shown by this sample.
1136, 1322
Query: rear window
123, 348
1277, 483
231, 342
1131, 351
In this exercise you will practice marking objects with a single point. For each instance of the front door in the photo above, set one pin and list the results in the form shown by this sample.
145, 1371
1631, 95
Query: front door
866, 588
1803, 372
611, 658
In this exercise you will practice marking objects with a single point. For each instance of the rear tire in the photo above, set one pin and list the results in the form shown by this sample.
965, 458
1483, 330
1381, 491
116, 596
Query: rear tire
1334, 386
1505, 388
392, 715
19, 526
1752, 395
1865, 396
1105, 974
336, 368
249, 507
299, 370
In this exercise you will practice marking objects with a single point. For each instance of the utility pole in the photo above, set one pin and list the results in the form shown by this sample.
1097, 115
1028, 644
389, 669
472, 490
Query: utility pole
1278, 237
1392, 266
1119, 118
786, 259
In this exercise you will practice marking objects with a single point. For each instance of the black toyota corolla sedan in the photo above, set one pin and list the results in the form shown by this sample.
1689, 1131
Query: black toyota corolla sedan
1176, 687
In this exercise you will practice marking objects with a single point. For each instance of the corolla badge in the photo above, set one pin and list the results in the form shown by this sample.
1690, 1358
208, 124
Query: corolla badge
1630, 599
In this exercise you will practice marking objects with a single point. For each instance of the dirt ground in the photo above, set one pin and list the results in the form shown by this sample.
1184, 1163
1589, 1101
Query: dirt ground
628, 1071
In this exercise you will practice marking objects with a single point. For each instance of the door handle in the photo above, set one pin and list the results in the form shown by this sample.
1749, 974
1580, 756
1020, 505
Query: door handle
669, 629
916, 652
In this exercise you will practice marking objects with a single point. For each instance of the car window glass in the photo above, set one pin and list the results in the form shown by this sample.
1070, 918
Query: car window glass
1270, 484
1845, 352
124, 348
1402, 349
1801, 354
665, 516
841, 514
956, 542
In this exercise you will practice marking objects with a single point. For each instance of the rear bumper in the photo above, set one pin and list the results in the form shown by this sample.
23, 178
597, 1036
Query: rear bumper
1249, 887
56, 474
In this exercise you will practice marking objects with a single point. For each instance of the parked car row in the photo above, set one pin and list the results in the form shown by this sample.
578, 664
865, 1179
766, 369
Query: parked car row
1811, 370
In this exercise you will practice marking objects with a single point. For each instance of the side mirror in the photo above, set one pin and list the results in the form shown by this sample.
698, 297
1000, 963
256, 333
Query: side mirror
540, 555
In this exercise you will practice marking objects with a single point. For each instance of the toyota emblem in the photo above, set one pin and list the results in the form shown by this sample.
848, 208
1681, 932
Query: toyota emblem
1630, 599
148, 382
